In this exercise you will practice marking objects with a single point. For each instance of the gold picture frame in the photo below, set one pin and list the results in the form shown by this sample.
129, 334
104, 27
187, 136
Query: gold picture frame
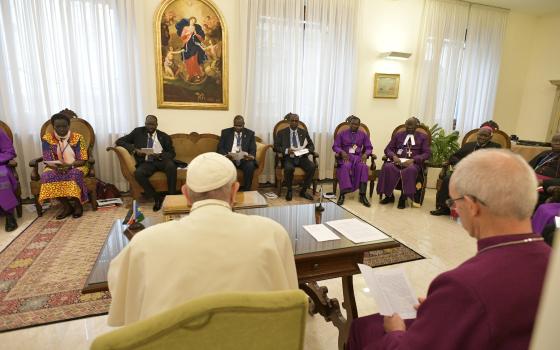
386, 85
191, 55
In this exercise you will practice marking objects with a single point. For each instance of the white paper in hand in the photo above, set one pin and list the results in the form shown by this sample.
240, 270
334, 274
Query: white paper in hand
238, 155
391, 290
147, 151
301, 152
52, 162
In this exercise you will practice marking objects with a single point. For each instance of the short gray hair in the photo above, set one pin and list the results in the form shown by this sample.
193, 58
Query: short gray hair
501, 179
220, 193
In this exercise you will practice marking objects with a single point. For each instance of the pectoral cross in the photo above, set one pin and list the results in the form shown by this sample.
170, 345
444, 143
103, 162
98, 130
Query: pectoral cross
409, 153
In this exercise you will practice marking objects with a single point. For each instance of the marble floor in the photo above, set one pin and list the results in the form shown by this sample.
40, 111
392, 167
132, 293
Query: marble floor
441, 240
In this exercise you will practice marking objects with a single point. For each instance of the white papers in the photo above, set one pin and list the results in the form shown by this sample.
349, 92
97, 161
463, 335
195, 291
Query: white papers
238, 155
301, 152
320, 232
391, 290
403, 159
147, 151
52, 162
271, 195
357, 231
109, 201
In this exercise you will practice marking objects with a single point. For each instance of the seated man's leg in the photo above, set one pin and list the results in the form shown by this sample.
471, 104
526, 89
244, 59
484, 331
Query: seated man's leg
248, 168
142, 174
441, 196
289, 169
389, 177
365, 331
344, 180
409, 175
309, 169
361, 173
169, 167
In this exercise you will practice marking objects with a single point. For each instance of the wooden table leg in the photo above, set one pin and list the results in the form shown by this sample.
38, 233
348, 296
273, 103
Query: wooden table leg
330, 308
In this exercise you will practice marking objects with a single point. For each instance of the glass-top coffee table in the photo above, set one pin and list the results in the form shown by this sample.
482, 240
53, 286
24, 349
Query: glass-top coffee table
315, 261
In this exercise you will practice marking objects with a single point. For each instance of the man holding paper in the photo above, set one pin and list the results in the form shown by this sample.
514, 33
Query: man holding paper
490, 301
296, 145
406, 153
238, 145
352, 147
153, 151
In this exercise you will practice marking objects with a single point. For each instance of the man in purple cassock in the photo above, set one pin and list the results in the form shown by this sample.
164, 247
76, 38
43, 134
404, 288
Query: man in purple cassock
8, 184
490, 301
406, 153
352, 147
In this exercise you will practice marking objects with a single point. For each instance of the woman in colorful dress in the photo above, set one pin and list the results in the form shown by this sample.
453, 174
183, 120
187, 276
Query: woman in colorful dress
65, 156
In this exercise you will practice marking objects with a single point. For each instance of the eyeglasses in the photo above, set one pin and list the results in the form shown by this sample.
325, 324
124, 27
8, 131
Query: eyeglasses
451, 201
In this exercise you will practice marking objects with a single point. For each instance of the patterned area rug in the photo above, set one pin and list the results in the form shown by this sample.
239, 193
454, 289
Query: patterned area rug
43, 271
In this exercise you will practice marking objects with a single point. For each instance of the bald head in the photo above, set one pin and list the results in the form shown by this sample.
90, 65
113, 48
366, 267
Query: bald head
503, 181
410, 125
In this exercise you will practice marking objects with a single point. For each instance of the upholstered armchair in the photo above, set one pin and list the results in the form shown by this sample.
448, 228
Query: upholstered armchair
299, 174
187, 147
371, 173
82, 127
227, 321
12, 164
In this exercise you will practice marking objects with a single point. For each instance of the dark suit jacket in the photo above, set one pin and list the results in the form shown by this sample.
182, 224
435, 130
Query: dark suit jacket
138, 138
469, 148
282, 143
248, 143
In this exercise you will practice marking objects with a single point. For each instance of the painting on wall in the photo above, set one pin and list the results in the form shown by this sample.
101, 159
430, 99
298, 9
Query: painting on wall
386, 85
191, 55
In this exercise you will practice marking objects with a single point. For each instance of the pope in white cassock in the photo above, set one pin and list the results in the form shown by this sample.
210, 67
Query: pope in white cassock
212, 250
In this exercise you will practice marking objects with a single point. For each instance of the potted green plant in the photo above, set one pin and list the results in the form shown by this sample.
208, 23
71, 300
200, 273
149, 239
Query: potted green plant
443, 146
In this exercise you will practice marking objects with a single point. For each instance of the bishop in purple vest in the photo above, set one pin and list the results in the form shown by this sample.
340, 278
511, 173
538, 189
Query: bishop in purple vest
406, 153
490, 301
8, 184
352, 147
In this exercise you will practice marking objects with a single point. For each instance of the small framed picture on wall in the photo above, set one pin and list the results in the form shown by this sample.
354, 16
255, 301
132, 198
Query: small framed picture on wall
386, 85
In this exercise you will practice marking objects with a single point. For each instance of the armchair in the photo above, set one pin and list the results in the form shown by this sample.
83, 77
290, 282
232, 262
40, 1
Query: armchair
12, 164
82, 127
371, 173
299, 174
228, 321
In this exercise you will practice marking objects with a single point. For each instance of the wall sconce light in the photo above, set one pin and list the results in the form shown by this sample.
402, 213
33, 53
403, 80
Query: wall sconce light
395, 55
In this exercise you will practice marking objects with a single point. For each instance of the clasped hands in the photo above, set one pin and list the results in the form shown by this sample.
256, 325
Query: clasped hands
65, 167
405, 164
152, 157
346, 158
245, 157
395, 322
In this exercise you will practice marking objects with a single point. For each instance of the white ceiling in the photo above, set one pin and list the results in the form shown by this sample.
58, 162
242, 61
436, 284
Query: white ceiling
535, 7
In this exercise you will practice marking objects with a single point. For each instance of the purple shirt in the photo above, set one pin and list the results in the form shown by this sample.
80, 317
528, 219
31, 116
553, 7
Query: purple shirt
346, 139
420, 152
488, 302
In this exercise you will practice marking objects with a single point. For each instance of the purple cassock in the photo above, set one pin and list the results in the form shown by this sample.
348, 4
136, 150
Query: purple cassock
8, 184
544, 216
350, 174
488, 302
391, 174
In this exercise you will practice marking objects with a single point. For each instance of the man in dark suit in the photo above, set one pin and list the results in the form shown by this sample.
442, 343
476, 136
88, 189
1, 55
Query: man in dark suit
148, 136
287, 142
239, 139
483, 138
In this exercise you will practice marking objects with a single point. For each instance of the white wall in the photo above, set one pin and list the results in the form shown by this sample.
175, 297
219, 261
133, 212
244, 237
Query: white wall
386, 25
188, 120
544, 65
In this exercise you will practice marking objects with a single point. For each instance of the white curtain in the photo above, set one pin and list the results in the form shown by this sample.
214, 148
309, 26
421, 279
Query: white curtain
305, 66
72, 54
481, 66
440, 52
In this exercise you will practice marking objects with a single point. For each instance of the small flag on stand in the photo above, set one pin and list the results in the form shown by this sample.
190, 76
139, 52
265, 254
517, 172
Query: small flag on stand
137, 215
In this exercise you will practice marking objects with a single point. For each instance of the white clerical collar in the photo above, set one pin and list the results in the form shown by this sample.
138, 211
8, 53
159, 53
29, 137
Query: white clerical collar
411, 138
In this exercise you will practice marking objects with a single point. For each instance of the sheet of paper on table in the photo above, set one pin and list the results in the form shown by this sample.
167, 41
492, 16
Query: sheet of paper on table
321, 232
391, 290
357, 231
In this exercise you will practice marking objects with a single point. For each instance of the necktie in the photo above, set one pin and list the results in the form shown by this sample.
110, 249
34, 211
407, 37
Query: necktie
150, 141
294, 140
238, 140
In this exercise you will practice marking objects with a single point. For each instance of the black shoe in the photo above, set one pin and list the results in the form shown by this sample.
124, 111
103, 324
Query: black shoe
441, 211
158, 201
364, 201
387, 200
78, 210
66, 213
305, 195
340, 200
289, 195
402, 202
11, 223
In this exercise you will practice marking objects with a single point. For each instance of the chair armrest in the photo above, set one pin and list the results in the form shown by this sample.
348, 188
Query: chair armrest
34, 163
12, 163
373, 157
384, 158
127, 161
